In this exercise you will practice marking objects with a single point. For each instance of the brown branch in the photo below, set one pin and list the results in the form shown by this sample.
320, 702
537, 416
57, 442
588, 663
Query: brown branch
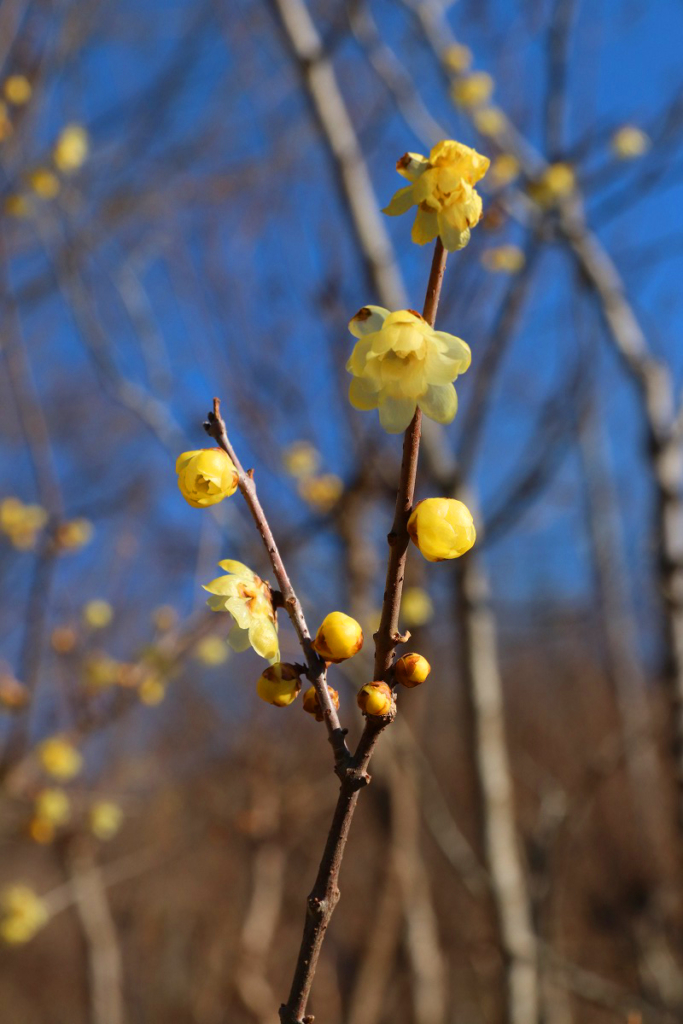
325, 893
316, 671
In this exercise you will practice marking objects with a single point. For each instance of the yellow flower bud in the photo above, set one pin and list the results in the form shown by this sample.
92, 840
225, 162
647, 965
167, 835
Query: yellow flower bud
71, 148
74, 534
279, 684
457, 57
473, 90
105, 819
60, 758
301, 459
375, 699
630, 142
412, 669
206, 476
17, 90
338, 638
312, 704
489, 121
98, 613
441, 528
22, 914
504, 259
504, 169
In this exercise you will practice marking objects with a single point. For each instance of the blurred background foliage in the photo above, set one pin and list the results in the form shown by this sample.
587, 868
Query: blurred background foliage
177, 186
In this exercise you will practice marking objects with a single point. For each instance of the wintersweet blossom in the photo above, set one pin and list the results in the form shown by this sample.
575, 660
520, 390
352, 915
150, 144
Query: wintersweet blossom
400, 363
105, 819
442, 188
22, 914
60, 758
248, 599
206, 476
503, 259
71, 148
629, 142
472, 90
441, 528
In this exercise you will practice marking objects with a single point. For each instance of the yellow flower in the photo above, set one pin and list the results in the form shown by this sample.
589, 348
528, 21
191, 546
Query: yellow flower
22, 914
417, 608
322, 492
375, 699
339, 637
412, 669
71, 149
279, 685
504, 169
557, 182
60, 758
301, 459
17, 90
248, 599
312, 704
101, 671
211, 650
630, 142
505, 259
21, 522
44, 183
400, 363
457, 57
206, 476
473, 90
441, 528
442, 188
97, 613
489, 120
152, 691
75, 533
53, 805
105, 819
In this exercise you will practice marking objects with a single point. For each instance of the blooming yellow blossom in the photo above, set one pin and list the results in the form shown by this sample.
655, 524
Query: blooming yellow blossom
489, 120
556, 183
211, 650
301, 459
52, 809
22, 914
412, 669
71, 149
97, 613
279, 685
441, 528
105, 819
457, 57
504, 259
75, 533
17, 90
311, 703
630, 142
21, 523
472, 90
16, 205
321, 492
375, 699
248, 599
206, 476
400, 363
504, 169
417, 608
44, 183
60, 758
339, 637
442, 188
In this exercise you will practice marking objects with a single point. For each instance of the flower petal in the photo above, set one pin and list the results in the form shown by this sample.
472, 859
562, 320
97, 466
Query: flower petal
401, 202
440, 402
237, 607
357, 360
239, 639
412, 165
425, 228
182, 460
217, 604
238, 569
451, 236
263, 638
395, 414
456, 349
225, 586
362, 394
368, 320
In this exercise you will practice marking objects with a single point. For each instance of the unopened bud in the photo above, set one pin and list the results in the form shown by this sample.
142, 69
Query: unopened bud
375, 699
412, 669
338, 638
279, 684
441, 528
312, 703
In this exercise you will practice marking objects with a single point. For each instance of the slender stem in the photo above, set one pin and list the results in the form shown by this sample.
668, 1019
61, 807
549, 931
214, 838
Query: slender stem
325, 893
215, 426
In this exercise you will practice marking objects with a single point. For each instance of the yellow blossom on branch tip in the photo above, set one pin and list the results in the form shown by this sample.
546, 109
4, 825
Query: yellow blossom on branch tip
442, 188
400, 363
457, 57
311, 703
98, 613
472, 90
22, 914
52, 806
60, 758
557, 182
248, 599
375, 699
206, 476
505, 259
630, 142
105, 819
339, 637
489, 121
441, 528
279, 685
71, 149
17, 90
